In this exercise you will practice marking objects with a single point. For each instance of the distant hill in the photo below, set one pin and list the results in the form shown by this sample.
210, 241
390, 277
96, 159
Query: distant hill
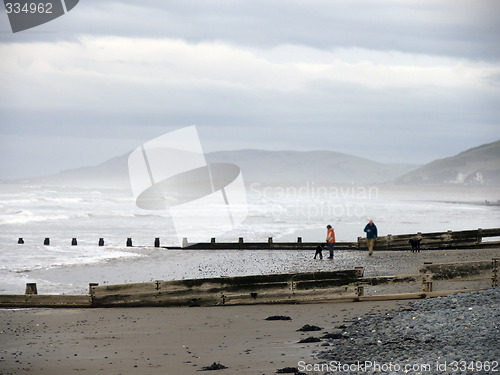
299, 167
110, 174
477, 166
266, 167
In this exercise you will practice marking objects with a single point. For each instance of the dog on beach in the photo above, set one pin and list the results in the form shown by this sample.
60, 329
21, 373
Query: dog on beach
415, 245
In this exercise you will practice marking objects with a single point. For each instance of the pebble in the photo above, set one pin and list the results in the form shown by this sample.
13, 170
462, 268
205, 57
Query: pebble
431, 332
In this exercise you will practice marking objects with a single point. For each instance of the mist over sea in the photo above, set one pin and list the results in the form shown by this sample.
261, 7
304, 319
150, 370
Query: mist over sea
35, 212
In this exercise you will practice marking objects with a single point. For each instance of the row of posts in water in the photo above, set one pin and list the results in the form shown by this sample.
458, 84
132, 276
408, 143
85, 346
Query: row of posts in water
74, 241
185, 242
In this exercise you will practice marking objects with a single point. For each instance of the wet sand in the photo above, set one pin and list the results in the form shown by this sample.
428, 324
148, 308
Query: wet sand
168, 340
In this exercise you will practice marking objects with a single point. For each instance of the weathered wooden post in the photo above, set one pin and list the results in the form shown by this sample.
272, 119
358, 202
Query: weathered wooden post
479, 235
74, 242
240, 242
31, 288
494, 278
129, 242
427, 283
91, 286
389, 238
157, 242
299, 242
46, 241
270, 242
359, 243
101, 241
20, 240
360, 271
449, 237
360, 291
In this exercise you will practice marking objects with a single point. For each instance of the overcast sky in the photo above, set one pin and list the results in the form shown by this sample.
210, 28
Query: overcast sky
393, 81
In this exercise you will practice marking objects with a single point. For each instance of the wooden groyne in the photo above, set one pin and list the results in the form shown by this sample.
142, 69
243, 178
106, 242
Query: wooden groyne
275, 288
438, 240
45, 300
428, 241
285, 288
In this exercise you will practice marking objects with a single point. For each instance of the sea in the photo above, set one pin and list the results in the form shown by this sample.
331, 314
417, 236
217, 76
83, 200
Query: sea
283, 213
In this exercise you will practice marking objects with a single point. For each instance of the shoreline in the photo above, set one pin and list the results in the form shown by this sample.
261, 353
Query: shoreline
152, 265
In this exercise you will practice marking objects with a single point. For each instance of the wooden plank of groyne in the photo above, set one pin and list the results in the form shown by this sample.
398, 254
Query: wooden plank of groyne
213, 298
435, 240
402, 296
384, 280
353, 298
491, 232
447, 271
48, 300
264, 246
221, 290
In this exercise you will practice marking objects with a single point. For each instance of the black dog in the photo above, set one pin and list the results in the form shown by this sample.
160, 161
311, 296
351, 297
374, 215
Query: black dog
319, 251
415, 245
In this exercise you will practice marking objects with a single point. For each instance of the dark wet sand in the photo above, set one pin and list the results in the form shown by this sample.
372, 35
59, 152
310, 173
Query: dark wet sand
167, 340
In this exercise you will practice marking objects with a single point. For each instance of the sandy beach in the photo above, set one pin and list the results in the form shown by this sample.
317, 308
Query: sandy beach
167, 340
185, 340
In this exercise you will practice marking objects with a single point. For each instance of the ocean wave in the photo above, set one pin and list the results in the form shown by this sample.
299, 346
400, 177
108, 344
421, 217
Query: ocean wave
23, 217
59, 257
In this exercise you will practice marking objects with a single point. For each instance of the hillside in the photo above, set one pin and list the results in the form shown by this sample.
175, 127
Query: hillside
297, 167
110, 174
266, 167
479, 166
476, 166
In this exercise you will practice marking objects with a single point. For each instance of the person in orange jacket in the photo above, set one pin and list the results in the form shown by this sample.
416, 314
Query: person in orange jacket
330, 240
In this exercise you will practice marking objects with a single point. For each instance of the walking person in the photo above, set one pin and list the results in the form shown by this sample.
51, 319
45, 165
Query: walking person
371, 235
330, 240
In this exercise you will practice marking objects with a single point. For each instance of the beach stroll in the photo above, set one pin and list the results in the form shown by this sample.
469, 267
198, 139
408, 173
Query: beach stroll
371, 235
330, 240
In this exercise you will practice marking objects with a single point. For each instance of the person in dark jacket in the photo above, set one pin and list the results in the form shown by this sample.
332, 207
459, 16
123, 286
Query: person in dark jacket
371, 235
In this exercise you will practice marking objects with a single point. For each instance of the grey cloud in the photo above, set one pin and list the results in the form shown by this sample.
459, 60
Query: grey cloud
81, 118
465, 29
